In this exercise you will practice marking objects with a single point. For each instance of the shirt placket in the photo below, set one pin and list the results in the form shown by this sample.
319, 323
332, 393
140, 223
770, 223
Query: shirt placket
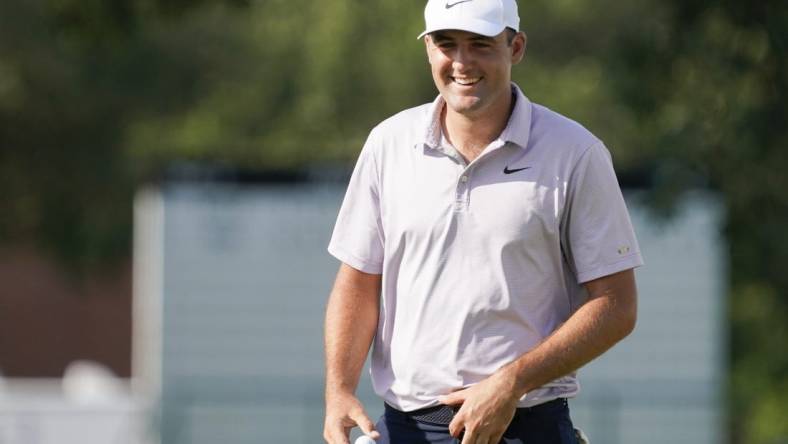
462, 199
462, 186
462, 195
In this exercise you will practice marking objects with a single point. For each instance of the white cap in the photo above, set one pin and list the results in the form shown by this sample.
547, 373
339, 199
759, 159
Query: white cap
485, 17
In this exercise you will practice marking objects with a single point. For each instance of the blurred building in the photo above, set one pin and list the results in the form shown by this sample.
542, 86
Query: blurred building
48, 317
231, 279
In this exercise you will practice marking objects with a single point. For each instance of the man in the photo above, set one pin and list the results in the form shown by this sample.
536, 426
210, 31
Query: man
485, 248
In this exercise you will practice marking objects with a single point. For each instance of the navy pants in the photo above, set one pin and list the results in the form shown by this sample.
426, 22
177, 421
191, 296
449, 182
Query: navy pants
547, 424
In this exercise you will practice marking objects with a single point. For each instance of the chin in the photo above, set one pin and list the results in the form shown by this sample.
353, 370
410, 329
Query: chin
464, 105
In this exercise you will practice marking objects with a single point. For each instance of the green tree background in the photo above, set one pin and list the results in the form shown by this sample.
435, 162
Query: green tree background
97, 96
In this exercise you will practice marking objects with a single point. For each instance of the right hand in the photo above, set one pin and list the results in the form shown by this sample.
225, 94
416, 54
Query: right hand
343, 412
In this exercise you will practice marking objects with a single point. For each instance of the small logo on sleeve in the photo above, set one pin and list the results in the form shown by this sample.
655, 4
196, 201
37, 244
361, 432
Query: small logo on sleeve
623, 250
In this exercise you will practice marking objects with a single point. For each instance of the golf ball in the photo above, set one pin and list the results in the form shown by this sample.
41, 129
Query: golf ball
364, 439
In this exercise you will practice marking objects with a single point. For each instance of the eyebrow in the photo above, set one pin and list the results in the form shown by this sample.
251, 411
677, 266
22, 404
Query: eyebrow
439, 37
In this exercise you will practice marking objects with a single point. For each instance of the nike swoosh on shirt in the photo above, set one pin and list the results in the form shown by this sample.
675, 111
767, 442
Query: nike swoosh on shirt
451, 5
506, 170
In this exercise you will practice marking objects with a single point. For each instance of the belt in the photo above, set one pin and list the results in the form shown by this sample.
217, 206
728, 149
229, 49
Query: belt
443, 414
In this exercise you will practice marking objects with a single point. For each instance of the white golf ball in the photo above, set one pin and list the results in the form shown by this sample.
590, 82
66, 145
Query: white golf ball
364, 439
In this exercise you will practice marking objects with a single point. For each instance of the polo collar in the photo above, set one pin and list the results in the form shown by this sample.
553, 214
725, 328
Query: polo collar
517, 130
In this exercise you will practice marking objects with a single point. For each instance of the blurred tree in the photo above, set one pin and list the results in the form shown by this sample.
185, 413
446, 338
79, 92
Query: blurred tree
709, 97
72, 77
295, 88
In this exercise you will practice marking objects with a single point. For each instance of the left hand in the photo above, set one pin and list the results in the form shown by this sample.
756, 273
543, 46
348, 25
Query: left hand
487, 409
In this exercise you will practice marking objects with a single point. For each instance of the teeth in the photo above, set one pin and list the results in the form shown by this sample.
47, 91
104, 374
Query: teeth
467, 81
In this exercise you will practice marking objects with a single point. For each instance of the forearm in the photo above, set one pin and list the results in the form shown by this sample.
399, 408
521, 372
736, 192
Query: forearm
605, 319
351, 322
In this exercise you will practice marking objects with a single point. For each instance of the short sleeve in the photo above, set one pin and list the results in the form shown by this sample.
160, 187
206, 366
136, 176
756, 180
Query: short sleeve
596, 234
358, 234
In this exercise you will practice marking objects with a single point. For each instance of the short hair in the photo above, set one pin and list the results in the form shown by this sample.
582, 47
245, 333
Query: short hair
510, 35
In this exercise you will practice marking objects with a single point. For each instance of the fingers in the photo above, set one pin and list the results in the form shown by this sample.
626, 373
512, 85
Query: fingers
343, 412
468, 439
457, 425
479, 439
365, 424
473, 437
455, 398
337, 431
334, 432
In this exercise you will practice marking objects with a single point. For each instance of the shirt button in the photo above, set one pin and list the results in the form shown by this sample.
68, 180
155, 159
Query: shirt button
464, 179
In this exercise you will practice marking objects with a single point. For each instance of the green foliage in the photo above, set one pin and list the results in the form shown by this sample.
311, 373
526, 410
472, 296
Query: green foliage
712, 103
273, 93
97, 96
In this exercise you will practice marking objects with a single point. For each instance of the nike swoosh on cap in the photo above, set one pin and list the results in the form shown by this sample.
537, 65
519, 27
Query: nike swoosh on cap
451, 5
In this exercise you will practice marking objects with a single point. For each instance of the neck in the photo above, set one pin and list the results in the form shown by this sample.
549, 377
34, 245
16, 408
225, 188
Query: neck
471, 134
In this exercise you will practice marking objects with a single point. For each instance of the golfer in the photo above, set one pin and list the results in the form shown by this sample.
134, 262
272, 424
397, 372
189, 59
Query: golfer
486, 254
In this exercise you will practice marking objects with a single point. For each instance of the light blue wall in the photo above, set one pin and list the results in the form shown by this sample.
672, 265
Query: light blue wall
246, 277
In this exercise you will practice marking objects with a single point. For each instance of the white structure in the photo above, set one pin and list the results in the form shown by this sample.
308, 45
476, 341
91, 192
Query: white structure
88, 406
231, 282
665, 383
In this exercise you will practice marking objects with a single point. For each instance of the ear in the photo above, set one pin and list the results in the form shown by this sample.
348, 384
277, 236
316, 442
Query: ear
518, 47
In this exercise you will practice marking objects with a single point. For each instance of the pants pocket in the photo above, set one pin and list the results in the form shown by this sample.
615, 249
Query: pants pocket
552, 426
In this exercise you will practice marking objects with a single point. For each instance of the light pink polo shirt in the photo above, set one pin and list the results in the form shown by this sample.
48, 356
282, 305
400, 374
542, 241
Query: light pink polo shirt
480, 261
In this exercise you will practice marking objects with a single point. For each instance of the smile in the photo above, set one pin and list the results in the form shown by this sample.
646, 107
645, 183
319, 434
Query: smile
466, 81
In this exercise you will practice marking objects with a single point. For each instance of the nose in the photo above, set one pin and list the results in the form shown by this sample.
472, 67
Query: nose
462, 58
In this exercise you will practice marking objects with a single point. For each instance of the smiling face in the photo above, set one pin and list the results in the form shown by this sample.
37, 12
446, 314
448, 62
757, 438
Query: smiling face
472, 71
